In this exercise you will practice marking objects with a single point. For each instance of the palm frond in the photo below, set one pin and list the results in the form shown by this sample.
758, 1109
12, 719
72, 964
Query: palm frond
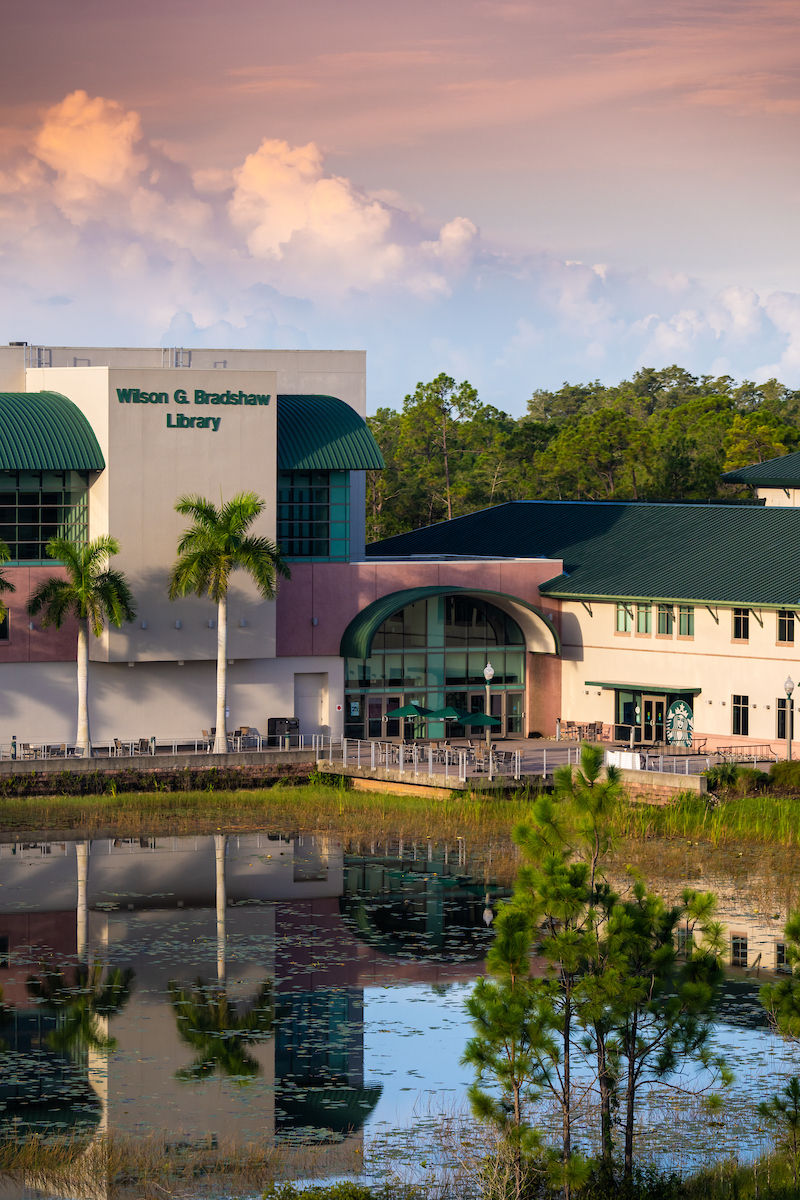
56, 599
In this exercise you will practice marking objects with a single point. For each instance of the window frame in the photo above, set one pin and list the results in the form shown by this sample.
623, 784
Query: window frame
740, 715
741, 620
739, 950
665, 627
644, 611
624, 617
785, 619
686, 617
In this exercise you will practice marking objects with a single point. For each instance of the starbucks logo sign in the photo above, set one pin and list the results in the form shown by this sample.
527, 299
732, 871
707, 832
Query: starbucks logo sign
680, 724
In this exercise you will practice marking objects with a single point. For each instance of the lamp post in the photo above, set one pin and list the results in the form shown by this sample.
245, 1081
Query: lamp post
488, 675
788, 687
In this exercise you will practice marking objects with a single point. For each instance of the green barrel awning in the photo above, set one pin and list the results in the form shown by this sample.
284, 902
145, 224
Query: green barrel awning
357, 638
321, 433
44, 431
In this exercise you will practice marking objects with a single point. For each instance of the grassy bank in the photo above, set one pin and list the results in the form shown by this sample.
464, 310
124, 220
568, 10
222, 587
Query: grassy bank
282, 809
762, 819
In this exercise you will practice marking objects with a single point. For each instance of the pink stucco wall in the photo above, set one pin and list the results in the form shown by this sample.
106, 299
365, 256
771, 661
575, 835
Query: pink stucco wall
334, 593
37, 644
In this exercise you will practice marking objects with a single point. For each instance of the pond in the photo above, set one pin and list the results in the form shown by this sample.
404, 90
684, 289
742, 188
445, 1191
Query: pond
205, 994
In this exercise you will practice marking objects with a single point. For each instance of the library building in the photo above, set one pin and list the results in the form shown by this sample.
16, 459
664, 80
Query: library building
628, 621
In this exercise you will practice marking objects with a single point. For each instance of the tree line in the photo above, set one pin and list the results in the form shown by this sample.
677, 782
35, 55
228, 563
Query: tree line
588, 1003
662, 435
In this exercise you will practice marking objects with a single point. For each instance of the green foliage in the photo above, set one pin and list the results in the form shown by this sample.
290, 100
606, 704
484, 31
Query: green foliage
662, 435
92, 591
782, 999
723, 775
785, 776
782, 1112
219, 1033
218, 543
345, 1189
81, 1005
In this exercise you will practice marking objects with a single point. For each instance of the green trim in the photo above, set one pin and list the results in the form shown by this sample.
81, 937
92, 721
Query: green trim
44, 431
644, 687
322, 433
357, 638
685, 601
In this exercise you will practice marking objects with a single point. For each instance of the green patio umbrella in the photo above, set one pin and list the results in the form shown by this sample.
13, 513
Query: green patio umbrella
479, 718
409, 710
450, 714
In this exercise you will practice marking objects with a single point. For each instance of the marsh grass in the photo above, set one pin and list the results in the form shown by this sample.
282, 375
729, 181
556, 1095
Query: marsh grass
762, 819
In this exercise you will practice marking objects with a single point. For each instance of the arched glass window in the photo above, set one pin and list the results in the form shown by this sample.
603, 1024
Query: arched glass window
433, 653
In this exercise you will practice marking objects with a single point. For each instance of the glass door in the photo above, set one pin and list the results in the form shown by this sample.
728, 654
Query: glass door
380, 723
653, 711
515, 708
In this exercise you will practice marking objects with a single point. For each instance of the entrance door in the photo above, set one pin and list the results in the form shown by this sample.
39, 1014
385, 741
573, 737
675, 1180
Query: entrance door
380, 723
310, 695
653, 711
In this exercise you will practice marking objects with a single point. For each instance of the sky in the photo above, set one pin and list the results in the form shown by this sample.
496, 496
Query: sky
515, 192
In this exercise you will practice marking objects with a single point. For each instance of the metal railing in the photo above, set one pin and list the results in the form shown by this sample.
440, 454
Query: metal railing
443, 762
151, 747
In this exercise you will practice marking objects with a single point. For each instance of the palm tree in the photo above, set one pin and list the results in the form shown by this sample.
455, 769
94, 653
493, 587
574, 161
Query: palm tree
82, 1005
209, 1023
212, 548
5, 584
92, 593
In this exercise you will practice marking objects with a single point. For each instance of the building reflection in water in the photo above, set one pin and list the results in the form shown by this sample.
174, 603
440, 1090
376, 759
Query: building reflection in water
214, 986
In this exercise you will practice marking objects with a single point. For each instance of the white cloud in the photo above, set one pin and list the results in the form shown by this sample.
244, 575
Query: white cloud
105, 237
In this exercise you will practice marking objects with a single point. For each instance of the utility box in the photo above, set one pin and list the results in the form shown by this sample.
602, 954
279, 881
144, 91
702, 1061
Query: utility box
278, 727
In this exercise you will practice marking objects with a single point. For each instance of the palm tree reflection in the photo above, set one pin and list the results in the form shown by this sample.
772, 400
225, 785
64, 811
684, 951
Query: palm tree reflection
82, 1007
219, 1032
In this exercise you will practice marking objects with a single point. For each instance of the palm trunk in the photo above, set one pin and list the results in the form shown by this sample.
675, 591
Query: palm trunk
221, 736
83, 741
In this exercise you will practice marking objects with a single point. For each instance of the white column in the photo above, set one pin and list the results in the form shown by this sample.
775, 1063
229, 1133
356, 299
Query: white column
220, 845
82, 853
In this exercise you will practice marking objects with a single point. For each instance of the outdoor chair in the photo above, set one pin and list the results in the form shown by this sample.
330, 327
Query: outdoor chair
26, 751
118, 749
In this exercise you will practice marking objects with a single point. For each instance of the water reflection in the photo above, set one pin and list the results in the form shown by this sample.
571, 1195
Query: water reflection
200, 987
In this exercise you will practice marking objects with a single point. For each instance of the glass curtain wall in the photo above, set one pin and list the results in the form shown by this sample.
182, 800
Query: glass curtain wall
433, 653
314, 515
38, 505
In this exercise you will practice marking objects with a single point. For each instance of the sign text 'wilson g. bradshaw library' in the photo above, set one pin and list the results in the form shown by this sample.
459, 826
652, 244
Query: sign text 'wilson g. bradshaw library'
181, 420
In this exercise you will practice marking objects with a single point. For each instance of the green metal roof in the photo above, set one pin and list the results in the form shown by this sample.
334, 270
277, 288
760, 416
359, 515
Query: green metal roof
321, 433
615, 685
357, 638
689, 553
775, 472
44, 431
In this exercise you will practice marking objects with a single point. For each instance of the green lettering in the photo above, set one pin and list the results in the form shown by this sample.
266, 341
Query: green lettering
214, 398
200, 397
169, 422
135, 396
262, 399
216, 422
179, 396
160, 398
124, 395
251, 399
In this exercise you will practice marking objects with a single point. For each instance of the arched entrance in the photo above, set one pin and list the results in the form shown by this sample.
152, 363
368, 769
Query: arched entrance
432, 651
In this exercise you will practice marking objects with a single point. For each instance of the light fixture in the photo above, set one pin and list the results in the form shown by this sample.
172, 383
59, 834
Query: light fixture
231, 661
177, 624
180, 662
488, 672
144, 624
211, 623
31, 625
314, 621
130, 664
788, 687
242, 622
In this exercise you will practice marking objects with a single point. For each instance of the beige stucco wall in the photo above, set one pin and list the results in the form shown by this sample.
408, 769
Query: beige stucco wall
148, 465
38, 699
711, 661
778, 497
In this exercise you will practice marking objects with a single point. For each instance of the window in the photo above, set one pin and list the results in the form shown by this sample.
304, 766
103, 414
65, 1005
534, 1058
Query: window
682, 940
741, 624
314, 514
786, 625
643, 618
741, 715
624, 618
5, 960
666, 619
781, 961
38, 505
685, 621
738, 950
4, 628
782, 708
